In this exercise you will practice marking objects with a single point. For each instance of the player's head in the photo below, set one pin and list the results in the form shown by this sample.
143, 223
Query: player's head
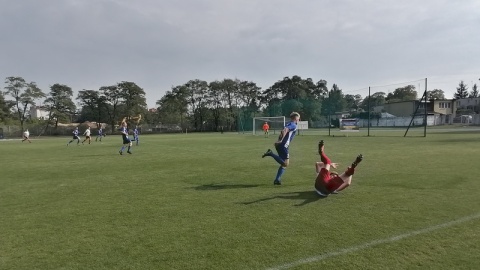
76, 127
295, 116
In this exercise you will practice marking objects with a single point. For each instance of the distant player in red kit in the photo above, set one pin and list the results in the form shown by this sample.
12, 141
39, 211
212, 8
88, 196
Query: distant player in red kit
328, 182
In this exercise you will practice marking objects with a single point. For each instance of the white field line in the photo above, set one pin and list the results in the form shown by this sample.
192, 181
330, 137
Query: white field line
375, 243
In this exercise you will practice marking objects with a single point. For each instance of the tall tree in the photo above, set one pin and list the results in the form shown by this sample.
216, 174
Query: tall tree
376, 99
435, 94
4, 108
173, 107
304, 91
24, 95
113, 100
59, 103
167, 108
402, 94
334, 102
462, 91
215, 98
249, 95
133, 98
474, 93
353, 102
94, 107
197, 101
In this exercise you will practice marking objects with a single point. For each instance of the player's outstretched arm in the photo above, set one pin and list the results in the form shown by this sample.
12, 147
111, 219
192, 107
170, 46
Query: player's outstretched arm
344, 185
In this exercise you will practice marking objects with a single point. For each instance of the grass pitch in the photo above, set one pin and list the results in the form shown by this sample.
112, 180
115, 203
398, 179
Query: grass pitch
206, 201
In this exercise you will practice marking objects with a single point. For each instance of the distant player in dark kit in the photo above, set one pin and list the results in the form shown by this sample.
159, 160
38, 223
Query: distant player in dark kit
286, 136
126, 141
100, 134
136, 132
75, 137
328, 182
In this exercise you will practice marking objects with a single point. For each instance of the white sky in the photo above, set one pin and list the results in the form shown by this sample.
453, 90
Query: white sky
158, 44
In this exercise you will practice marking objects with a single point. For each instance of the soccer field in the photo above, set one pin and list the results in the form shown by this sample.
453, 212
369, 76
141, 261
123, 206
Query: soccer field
207, 201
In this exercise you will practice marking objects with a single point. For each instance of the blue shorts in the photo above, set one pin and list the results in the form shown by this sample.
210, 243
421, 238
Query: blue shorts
126, 141
282, 151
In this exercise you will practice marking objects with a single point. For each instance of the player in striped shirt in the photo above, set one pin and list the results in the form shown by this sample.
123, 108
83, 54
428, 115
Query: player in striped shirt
100, 134
286, 136
136, 132
126, 140
75, 137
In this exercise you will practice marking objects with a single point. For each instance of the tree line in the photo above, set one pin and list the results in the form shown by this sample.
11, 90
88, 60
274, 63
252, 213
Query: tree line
199, 105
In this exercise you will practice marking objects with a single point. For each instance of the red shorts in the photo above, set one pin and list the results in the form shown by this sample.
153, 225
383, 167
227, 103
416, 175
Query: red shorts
327, 184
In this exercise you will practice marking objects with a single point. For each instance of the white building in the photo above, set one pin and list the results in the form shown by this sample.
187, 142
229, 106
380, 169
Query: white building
38, 112
469, 104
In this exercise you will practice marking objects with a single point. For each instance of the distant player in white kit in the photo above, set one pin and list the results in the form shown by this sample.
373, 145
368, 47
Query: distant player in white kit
87, 135
26, 136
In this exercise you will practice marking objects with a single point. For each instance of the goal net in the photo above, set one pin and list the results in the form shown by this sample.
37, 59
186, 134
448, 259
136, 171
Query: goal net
276, 123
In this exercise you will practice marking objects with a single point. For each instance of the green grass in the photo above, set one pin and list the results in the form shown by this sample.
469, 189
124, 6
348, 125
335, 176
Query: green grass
206, 201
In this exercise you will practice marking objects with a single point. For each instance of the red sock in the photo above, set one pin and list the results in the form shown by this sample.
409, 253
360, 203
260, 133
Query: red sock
324, 158
350, 171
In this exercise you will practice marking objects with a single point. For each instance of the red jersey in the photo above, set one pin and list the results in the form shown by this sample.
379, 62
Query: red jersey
325, 182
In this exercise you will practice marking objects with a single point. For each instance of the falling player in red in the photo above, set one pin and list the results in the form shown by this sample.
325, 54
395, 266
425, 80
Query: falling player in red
328, 182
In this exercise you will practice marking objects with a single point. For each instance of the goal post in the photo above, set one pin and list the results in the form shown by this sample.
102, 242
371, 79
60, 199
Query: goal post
276, 123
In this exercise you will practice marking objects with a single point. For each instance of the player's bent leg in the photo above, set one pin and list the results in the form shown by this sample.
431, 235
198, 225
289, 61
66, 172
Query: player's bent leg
267, 153
129, 146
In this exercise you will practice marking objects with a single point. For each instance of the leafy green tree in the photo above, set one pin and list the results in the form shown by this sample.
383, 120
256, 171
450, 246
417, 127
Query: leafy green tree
334, 102
435, 94
215, 102
133, 97
402, 94
305, 91
5, 107
173, 106
462, 91
197, 101
249, 95
376, 99
292, 105
59, 103
24, 95
113, 100
94, 107
352, 102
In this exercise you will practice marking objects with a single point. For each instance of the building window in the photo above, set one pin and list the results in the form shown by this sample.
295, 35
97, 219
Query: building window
444, 105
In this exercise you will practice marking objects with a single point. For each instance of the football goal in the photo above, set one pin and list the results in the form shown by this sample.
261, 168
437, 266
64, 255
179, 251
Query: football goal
276, 123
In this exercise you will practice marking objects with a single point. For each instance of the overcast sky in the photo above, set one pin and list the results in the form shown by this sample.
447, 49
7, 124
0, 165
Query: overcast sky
158, 44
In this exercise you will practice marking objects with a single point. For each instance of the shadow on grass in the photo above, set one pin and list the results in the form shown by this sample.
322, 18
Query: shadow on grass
306, 196
223, 186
